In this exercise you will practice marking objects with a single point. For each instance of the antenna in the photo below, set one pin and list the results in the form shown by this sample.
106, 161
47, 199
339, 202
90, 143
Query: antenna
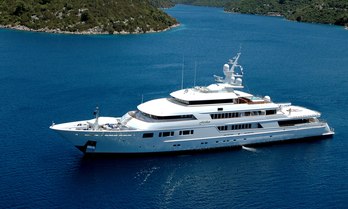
194, 80
182, 72
142, 98
96, 114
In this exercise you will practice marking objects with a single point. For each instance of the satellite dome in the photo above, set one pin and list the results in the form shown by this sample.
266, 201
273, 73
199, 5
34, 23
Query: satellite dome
238, 81
267, 98
226, 67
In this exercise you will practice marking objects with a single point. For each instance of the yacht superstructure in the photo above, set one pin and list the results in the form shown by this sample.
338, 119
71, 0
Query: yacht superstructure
216, 116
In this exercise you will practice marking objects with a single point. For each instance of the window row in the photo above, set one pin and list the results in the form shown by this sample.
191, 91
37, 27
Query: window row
172, 117
186, 132
225, 115
200, 102
241, 114
216, 101
292, 122
239, 126
168, 133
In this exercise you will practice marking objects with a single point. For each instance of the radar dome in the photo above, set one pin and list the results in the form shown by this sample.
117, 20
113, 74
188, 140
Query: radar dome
238, 81
226, 67
267, 98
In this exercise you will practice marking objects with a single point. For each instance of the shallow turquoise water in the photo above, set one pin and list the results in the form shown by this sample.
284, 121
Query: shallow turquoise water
48, 77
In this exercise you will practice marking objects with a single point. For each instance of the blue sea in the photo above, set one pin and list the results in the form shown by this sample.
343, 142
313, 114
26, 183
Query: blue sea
61, 78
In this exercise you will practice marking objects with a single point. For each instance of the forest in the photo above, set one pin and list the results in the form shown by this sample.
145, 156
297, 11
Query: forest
140, 16
111, 16
316, 11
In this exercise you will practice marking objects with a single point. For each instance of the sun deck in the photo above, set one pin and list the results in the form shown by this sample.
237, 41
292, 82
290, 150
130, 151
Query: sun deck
171, 107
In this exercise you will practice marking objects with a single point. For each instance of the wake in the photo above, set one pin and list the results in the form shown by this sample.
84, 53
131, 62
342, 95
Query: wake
249, 149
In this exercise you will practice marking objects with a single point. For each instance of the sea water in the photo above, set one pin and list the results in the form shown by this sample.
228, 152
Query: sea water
61, 78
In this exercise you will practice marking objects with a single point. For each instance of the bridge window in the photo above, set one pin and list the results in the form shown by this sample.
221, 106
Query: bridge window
147, 135
154, 118
166, 134
270, 112
292, 122
186, 132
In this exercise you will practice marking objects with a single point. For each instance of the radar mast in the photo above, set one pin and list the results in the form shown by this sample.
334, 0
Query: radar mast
233, 73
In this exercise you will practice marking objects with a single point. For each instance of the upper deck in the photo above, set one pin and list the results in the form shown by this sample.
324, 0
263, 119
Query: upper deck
223, 91
171, 107
221, 96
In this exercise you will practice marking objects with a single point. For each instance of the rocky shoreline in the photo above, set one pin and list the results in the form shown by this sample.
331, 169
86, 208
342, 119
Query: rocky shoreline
92, 31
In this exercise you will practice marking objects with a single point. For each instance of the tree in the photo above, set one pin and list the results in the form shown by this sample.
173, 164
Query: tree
20, 8
85, 16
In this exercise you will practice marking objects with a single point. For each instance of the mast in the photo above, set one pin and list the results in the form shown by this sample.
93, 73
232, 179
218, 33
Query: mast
231, 76
194, 79
234, 62
96, 114
182, 72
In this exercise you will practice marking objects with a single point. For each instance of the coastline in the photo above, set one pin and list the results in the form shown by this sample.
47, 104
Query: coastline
92, 31
269, 14
282, 16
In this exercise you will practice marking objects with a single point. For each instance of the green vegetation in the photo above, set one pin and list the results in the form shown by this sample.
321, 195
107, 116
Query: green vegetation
97, 16
162, 3
139, 16
262, 7
320, 11
210, 3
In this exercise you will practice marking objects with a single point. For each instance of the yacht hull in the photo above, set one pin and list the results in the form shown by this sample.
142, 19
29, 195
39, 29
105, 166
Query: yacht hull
132, 142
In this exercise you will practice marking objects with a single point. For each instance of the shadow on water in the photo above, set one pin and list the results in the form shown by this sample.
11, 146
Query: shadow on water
176, 176
199, 153
133, 163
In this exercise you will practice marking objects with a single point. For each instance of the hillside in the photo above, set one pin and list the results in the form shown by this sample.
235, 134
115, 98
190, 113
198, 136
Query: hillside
318, 11
162, 3
84, 16
210, 3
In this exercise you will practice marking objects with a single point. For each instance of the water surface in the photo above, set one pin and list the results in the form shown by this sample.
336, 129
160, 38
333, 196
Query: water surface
49, 77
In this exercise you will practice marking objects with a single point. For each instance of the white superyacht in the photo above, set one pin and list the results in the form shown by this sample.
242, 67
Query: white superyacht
198, 118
